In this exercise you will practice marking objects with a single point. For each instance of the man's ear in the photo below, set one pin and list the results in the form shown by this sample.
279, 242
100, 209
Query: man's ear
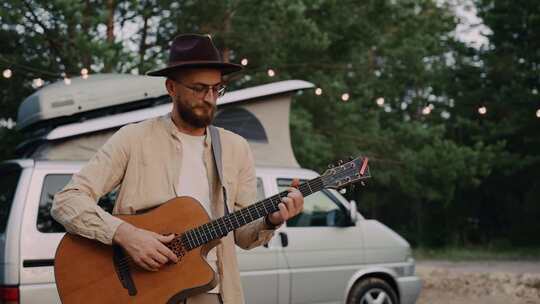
171, 88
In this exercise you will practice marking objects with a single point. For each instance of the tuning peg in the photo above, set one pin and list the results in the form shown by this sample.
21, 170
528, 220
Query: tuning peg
340, 162
362, 183
331, 166
343, 191
351, 157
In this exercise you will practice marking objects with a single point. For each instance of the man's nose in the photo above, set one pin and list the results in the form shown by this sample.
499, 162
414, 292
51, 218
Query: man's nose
210, 95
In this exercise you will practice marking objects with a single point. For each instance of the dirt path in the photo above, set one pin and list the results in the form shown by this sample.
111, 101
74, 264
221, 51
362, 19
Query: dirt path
483, 282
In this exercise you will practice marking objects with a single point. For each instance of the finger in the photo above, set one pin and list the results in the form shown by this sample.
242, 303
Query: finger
153, 265
159, 257
165, 238
297, 197
295, 183
143, 265
283, 211
291, 206
168, 253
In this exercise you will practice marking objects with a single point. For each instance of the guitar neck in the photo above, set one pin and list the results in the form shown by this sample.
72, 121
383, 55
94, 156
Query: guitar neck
220, 227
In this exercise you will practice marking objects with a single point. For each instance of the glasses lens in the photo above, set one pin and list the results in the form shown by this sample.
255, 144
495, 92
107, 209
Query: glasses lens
221, 90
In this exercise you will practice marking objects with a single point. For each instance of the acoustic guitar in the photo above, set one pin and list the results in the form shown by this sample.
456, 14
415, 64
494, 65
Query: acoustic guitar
88, 271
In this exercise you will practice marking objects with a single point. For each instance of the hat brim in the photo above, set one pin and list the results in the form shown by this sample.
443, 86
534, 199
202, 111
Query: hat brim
224, 67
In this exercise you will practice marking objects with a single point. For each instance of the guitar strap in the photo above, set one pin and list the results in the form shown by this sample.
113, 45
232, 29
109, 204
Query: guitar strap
216, 151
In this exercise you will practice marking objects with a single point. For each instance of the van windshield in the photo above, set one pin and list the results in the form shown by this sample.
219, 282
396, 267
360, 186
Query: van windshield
9, 173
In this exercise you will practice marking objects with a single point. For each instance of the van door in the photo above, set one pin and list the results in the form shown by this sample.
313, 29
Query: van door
324, 248
260, 268
41, 235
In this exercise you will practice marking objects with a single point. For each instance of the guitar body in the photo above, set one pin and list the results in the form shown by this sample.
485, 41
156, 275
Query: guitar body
86, 272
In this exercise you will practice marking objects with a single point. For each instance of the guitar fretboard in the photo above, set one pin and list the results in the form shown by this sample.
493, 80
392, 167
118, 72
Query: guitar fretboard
220, 227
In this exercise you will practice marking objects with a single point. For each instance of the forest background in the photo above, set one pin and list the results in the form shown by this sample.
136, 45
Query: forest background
451, 127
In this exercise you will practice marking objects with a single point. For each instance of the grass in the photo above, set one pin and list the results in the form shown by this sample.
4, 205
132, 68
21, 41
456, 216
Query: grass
476, 253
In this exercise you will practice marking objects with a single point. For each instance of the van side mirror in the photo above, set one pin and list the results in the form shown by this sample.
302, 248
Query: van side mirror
353, 212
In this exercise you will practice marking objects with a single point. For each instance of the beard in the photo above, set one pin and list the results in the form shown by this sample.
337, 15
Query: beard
195, 115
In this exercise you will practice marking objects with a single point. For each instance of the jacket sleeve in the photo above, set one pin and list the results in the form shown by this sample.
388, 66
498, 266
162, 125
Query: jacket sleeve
76, 207
257, 232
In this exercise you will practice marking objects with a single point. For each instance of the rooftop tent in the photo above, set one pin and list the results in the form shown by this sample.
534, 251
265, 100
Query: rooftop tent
97, 95
260, 114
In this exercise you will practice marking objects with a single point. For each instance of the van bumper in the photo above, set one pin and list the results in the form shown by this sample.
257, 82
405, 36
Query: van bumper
409, 289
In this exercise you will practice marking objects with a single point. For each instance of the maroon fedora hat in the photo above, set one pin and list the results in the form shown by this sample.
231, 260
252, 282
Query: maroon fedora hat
195, 51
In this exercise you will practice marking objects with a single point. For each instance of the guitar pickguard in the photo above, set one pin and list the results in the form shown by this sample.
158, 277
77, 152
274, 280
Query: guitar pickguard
121, 265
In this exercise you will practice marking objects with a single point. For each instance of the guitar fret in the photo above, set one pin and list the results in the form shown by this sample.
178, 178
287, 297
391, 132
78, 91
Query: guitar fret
207, 232
237, 221
221, 225
198, 236
309, 187
212, 224
251, 217
189, 238
264, 206
242, 214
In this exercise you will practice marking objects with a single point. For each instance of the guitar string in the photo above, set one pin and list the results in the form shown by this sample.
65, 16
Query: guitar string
184, 238
251, 211
317, 182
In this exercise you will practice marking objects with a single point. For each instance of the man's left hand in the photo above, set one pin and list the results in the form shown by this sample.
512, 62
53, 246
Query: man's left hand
290, 206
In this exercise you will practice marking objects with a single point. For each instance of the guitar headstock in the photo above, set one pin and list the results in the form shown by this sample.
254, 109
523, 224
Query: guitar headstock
346, 173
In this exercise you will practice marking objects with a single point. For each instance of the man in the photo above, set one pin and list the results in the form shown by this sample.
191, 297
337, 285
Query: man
158, 159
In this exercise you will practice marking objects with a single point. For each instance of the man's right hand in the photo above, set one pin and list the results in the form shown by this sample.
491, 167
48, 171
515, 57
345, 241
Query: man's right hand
146, 248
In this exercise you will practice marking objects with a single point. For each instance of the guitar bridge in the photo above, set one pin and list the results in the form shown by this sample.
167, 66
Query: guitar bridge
121, 266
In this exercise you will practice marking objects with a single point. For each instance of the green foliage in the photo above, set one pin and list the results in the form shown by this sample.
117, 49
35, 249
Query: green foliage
463, 179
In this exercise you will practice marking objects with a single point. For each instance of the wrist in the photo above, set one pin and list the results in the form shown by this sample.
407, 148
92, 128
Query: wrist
121, 231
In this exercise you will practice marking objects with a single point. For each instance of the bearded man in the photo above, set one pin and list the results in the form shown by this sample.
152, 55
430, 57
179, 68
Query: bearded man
158, 159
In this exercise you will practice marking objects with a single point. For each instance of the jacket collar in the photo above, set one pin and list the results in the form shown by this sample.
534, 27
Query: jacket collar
172, 129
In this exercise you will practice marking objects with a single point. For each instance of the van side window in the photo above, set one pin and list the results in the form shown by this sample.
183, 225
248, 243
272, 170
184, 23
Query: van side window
260, 190
52, 184
319, 210
10, 178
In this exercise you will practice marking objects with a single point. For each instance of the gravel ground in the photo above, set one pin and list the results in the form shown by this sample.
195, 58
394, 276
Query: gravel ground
483, 282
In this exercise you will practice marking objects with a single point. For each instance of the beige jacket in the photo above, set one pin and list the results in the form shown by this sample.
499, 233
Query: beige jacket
143, 159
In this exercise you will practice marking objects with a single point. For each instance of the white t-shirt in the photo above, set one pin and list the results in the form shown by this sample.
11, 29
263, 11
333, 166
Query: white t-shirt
193, 181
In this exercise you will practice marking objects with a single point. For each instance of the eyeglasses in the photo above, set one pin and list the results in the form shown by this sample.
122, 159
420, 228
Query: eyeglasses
200, 90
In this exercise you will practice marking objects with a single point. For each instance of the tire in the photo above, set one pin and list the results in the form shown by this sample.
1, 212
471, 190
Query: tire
372, 291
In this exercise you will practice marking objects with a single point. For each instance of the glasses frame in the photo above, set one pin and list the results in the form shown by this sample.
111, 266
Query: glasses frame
218, 90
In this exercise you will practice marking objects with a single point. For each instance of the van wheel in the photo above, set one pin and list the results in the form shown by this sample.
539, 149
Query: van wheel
372, 291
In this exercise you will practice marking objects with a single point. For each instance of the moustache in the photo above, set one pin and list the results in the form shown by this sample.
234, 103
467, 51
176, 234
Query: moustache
204, 105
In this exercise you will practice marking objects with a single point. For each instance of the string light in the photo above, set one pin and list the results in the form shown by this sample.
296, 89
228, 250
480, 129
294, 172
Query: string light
84, 73
380, 101
7, 73
38, 82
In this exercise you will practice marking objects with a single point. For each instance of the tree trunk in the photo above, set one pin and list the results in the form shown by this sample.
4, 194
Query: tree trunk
110, 20
226, 53
111, 5
87, 14
142, 46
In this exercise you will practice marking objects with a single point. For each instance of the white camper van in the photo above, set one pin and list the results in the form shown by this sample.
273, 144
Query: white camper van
327, 254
